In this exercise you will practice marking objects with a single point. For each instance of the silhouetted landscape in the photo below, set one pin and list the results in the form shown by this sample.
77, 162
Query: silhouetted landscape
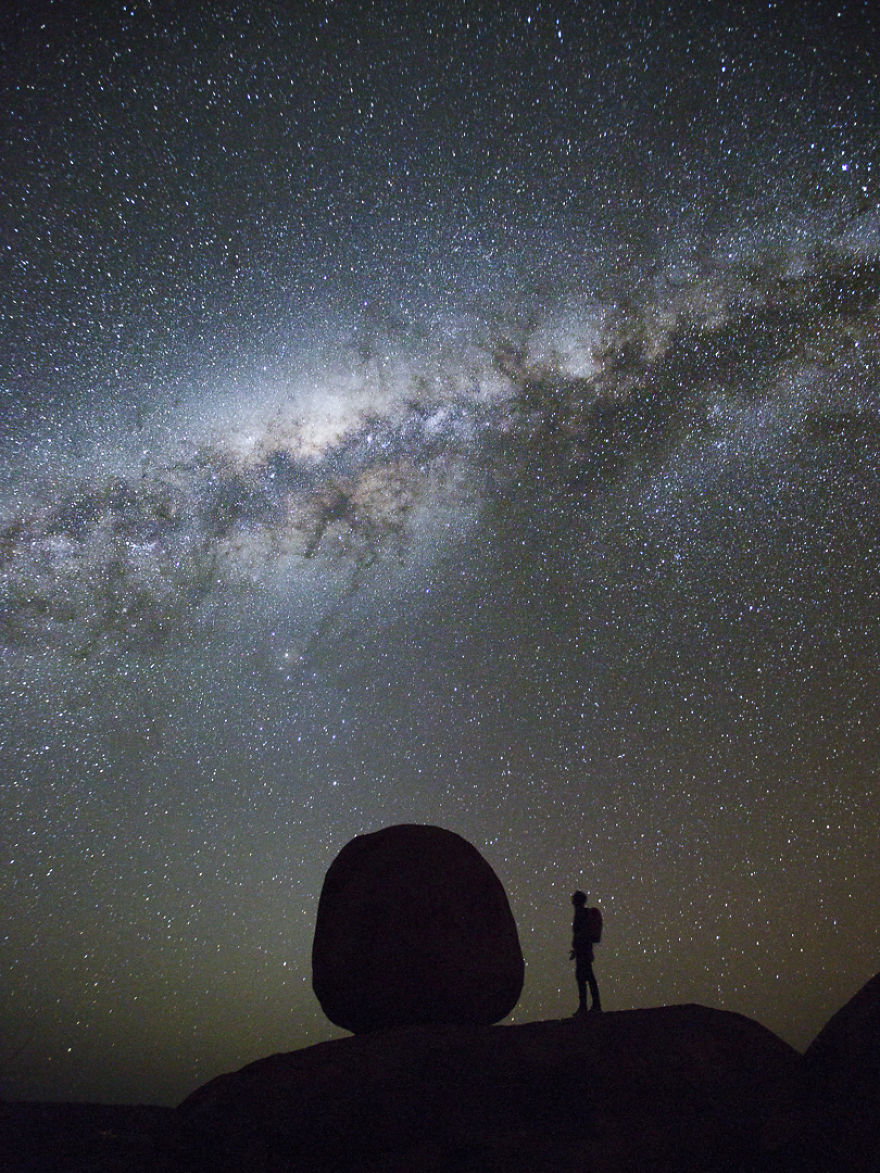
678, 1088
416, 951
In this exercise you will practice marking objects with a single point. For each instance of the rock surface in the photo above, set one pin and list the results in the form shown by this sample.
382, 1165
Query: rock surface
678, 1088
843, 1072
414, 927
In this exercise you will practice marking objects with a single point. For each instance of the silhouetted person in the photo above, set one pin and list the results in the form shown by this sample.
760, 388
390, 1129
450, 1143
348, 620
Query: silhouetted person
586, 931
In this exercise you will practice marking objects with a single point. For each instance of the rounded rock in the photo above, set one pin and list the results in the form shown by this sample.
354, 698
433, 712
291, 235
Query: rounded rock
414, 927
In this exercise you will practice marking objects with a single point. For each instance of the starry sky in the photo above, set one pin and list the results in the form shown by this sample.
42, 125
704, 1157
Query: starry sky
456, 413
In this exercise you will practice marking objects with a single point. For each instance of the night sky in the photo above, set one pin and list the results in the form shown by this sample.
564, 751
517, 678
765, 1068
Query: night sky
453, 413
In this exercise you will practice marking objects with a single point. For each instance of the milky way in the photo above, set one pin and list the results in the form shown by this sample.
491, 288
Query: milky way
471, 419
351, 477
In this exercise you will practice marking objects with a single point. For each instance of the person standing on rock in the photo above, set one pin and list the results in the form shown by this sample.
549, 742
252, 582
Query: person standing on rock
586, 931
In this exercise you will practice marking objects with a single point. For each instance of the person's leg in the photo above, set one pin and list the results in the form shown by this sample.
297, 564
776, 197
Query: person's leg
582, 994
581, 976
594, 990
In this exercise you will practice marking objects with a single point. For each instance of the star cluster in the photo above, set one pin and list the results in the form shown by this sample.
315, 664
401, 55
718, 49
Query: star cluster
465, 415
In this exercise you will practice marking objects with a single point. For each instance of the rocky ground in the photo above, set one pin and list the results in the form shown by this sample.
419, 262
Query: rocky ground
679, 1088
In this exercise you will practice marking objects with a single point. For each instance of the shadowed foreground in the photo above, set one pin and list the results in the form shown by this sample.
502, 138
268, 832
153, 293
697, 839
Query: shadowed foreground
684, 1089
679, 1088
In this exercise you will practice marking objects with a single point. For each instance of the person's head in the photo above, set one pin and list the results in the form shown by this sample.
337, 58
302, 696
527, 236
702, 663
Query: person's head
579, 899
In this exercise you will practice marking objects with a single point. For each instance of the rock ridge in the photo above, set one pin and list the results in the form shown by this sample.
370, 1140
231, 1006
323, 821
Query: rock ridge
675, 1087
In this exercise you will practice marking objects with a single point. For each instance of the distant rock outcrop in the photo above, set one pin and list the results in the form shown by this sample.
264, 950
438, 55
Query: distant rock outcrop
414, 927
678, 1088
85, 1138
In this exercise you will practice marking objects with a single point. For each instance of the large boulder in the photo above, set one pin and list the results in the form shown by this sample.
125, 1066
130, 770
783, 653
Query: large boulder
414, 927
680, 1089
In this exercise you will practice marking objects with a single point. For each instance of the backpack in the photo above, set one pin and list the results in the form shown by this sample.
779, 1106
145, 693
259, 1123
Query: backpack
594, 925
